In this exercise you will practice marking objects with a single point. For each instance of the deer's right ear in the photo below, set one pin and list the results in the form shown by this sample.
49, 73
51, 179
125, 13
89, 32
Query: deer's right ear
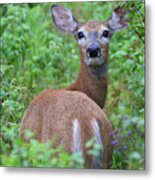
63, 19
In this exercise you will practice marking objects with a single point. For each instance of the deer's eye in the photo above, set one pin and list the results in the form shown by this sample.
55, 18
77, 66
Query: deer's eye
80, 35
105, 33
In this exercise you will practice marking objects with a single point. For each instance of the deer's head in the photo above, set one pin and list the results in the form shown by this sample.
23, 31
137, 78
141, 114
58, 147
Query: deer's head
93, 36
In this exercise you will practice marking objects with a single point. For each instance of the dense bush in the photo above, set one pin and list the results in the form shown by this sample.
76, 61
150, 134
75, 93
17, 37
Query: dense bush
34, 56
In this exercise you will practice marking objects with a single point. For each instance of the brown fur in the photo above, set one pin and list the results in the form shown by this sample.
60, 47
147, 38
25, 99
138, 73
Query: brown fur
93, 25
50, 115
95, 88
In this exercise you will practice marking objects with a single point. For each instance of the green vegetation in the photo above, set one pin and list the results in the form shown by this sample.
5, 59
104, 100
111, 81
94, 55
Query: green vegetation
35, 56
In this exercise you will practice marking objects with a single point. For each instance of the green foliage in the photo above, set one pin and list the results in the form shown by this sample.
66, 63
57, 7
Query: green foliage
93, 148
35, 154
125, 102
34, 56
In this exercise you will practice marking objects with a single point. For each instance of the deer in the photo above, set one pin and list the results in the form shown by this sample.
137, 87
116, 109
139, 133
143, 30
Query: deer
74, 115
93, 38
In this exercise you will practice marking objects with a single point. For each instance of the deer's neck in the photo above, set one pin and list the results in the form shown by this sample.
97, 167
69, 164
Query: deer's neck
93, 82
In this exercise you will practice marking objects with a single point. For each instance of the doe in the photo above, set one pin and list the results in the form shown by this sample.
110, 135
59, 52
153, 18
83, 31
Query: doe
71, 116
93, 39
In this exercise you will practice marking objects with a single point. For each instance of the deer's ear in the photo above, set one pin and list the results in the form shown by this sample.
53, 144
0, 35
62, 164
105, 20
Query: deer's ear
117, 21
63, 19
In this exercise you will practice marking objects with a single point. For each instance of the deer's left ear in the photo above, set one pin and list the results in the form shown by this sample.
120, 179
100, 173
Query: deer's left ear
117, 21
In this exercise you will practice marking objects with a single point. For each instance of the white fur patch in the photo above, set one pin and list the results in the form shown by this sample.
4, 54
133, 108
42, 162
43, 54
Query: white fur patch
103, 40
97, 160
76, 137
96, 131
82, 41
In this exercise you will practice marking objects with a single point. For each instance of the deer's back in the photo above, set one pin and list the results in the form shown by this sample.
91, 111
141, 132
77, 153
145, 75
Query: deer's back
55, 113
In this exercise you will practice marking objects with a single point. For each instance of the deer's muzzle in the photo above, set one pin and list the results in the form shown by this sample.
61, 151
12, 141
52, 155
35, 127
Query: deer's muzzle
93, 51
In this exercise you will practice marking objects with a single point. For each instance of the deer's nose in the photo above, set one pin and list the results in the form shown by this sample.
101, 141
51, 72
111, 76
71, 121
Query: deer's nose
93, 51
